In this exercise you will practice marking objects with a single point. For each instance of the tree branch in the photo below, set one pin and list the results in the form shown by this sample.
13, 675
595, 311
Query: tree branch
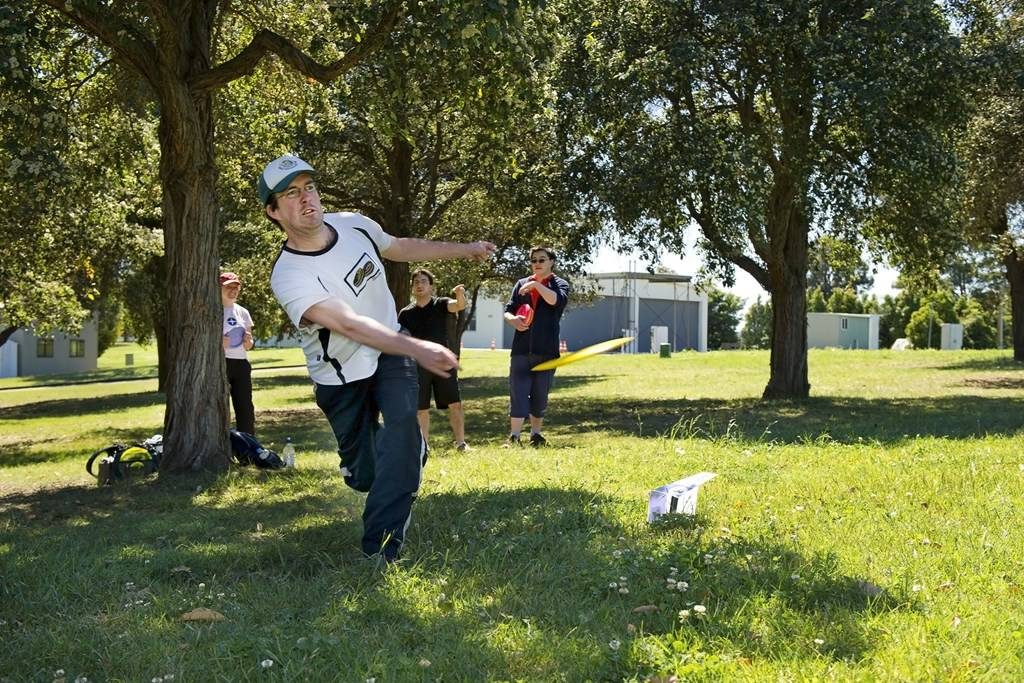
266, 42
120, 36
441, 208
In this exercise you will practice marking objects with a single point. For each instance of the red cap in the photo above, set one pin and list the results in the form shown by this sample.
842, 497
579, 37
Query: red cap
229, 278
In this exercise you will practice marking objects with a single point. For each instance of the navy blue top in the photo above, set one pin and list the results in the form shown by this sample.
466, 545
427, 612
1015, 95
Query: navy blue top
541, 338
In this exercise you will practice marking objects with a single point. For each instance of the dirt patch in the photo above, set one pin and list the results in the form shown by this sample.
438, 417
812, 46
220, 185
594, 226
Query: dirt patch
996, 382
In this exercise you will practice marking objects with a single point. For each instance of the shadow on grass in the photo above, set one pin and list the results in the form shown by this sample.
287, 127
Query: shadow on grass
1005, 362
841, 419
71, 407
91, 377
533, 564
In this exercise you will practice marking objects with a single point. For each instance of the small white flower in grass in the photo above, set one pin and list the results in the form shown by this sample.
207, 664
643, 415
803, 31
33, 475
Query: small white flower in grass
455, 537
681, 586
58, 672
684, 614
614, 645
613, 585
795, 577
202, 586
617, 554
157, 679
425, 663
81, 679
892, 513
168, 677
624, 590
371, 680
819, 641
799, 508
699, 609
916, 588
623, 579
673, 571
267, 663
670, 581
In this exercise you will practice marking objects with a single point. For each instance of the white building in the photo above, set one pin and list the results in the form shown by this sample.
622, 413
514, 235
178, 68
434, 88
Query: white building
842, 331
26, 353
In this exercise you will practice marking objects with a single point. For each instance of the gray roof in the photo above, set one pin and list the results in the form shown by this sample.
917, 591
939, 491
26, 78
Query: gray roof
650, 277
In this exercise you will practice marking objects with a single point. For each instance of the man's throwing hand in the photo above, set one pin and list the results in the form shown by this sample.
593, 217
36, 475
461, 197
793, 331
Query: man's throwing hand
479, 251
435, 358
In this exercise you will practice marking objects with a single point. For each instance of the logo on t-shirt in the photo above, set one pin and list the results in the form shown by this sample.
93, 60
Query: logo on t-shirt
362, 272
231, 320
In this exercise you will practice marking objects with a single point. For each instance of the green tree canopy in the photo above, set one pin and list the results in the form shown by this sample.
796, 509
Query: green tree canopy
756, 123
723, 317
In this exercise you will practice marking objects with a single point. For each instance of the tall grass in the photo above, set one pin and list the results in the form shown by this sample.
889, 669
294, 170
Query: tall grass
869, 533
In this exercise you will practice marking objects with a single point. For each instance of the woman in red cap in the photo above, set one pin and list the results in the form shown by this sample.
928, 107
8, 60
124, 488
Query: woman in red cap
237, 341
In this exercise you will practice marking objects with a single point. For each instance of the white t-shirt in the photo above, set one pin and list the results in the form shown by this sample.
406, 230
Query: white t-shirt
350, 269
236, 321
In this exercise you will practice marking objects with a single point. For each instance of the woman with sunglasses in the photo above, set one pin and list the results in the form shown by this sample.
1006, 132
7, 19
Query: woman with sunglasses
534, 310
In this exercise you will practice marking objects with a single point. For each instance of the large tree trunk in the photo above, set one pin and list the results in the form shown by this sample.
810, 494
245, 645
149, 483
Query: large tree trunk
788, 272
1014, 262
163, 363
196, 419
399, 216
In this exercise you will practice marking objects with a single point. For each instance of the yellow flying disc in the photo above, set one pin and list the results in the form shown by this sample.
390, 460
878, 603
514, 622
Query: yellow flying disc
586, 352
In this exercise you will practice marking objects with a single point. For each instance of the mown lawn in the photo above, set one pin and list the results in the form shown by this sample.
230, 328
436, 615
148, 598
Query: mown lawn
870, 533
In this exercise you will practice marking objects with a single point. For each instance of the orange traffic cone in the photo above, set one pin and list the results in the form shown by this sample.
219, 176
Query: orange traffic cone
494, 343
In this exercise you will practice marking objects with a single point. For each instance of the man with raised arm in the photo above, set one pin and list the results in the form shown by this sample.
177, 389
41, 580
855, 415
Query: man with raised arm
329, 278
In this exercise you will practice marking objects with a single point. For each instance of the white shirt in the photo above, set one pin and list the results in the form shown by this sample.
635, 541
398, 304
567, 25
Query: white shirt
350, 269
236, 322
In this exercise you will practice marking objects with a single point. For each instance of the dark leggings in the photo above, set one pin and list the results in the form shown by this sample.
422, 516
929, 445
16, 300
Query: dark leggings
528, 390
240, 382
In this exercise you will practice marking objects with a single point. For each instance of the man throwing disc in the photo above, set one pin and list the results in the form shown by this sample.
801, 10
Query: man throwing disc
329, 278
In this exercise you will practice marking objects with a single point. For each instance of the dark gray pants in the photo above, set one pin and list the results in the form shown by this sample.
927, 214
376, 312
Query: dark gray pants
385, 460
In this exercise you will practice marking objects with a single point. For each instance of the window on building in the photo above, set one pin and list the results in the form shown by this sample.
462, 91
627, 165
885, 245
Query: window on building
44, 347
471, 325
845, 323
77, 349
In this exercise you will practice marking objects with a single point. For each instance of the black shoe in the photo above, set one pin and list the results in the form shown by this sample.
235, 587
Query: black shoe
536, 440
513, 440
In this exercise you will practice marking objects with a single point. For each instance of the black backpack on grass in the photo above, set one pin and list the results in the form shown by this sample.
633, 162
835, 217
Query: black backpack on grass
248, 451
122, 461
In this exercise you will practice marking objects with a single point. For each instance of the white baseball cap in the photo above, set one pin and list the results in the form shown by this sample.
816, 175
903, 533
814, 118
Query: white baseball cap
279, 173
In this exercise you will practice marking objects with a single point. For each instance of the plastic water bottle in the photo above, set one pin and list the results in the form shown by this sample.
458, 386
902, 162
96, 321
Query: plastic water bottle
288, 454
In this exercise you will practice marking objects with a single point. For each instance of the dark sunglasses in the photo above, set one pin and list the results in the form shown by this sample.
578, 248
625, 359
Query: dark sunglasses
538, 260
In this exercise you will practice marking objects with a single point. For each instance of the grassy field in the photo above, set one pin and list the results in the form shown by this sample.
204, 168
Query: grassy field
870, 533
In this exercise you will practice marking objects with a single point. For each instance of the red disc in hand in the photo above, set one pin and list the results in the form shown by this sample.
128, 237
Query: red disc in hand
526, 312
